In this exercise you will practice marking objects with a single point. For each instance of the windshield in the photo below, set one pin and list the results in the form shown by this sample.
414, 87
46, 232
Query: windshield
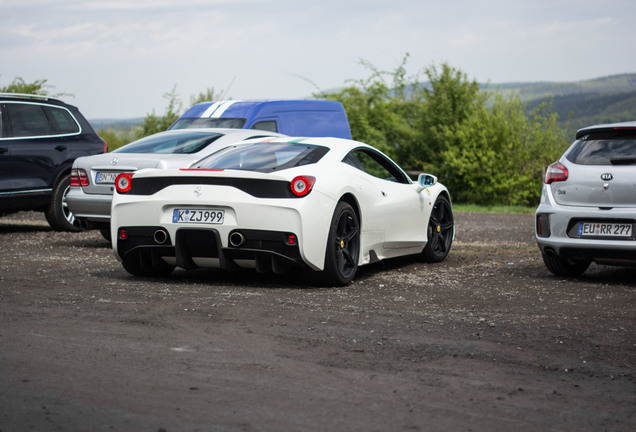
606, 148
193, 123
264, 157
171, 143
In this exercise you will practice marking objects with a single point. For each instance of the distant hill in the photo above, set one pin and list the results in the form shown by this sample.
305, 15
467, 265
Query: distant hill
582, 103
115, 123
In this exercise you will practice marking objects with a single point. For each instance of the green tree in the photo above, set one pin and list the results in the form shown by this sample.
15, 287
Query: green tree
497, 154
447, 102
205, 96
382, 114
487, 149
153, 123
18, 85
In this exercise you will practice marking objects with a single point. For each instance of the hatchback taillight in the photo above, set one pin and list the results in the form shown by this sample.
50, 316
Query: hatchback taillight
79, 177
556, 172
123, 182
301, 185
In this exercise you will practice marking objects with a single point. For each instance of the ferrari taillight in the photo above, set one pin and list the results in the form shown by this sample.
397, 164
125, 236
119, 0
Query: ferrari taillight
123, 182
301, 185
556, 172
79, 177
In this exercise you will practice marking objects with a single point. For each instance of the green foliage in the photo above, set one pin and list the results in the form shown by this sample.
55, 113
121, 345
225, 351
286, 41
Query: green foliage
488, 148
38, 87
117, 137
205, 96
18, 85
475, 208
154, 123
380, 114
498, 154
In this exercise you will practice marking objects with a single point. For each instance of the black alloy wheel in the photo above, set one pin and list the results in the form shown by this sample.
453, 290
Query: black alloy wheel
343, 247
441, 229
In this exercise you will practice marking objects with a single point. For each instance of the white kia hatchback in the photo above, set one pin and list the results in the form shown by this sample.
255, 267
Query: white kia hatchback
588, 202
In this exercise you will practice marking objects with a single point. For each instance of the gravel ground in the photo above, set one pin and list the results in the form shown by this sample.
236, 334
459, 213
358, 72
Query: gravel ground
486, 341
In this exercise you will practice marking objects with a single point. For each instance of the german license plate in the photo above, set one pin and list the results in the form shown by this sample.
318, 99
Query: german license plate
105, 177
211, 216
597, 229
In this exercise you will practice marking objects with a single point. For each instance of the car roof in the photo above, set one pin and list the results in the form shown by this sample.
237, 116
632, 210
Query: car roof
27, 97
225, 131
605, 127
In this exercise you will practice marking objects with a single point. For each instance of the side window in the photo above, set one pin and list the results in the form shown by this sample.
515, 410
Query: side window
267, 125
65, 122
376, 165
28, 120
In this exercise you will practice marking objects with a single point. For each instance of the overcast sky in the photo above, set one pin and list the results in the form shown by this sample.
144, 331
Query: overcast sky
118, 58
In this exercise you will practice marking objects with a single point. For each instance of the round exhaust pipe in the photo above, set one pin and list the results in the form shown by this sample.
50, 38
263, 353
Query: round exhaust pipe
237, 239
160, 236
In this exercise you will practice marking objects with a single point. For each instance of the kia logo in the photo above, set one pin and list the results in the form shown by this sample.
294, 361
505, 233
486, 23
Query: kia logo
606, 176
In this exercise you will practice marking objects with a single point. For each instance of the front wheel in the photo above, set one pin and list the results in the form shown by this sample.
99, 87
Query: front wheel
58, 215
441, 229
343, 247
565, 267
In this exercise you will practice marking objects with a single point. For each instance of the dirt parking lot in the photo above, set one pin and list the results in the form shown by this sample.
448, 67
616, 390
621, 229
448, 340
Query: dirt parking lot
485, 341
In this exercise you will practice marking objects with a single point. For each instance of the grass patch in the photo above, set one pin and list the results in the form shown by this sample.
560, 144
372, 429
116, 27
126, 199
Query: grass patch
475, 208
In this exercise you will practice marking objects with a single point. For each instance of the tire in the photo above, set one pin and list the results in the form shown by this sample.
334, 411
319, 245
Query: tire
343, 247
145, 263
58, 215
565, 267
441, 228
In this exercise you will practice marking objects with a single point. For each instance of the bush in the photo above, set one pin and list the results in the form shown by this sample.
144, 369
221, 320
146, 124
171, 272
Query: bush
485, 148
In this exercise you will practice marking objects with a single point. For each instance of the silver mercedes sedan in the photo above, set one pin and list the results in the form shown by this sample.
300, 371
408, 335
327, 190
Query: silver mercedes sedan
93, 177
588, 202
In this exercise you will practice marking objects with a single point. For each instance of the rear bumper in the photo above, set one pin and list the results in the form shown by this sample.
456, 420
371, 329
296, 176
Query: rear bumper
191, 248
555, 233
91, 207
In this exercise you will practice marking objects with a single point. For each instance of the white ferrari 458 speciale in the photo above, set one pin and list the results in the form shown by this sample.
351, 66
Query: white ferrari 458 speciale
324, 204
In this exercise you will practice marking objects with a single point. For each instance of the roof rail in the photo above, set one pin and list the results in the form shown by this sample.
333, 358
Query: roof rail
29, 96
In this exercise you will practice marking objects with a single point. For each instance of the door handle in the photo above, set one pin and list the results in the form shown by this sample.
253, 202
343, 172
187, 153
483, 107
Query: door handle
60, 148
3, 150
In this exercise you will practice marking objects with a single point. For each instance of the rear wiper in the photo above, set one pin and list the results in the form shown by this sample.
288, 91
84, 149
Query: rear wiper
623, 161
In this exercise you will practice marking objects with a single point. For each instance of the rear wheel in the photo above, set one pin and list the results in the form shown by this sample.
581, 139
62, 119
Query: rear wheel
565, 267
58, 215
145, 263
441, 228
343, 247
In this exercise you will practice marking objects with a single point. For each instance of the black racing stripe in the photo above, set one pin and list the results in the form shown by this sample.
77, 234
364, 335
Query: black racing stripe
259, 188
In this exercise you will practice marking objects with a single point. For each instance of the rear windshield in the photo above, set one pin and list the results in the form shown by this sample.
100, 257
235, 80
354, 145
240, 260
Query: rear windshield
171, 144
605, 148
193, 123
264, 157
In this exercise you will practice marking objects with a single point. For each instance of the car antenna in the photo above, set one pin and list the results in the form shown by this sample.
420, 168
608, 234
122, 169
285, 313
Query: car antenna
228, 88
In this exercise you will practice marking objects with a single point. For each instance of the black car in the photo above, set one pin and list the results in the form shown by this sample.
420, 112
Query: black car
40, 137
